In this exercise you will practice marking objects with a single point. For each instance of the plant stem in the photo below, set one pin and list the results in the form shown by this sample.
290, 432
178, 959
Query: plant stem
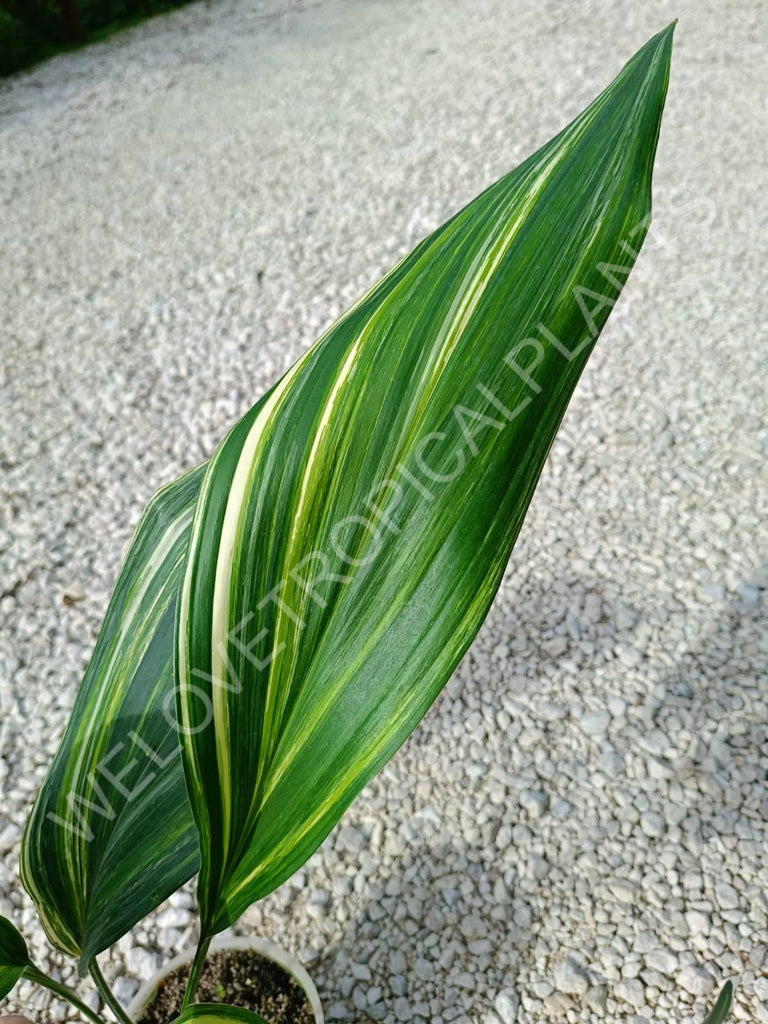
33, 974
107, 994
197, 966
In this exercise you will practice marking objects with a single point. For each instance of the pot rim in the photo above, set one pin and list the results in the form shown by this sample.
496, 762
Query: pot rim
220, 944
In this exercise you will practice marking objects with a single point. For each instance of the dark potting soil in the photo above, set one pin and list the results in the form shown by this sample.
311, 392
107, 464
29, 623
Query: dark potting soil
239, 977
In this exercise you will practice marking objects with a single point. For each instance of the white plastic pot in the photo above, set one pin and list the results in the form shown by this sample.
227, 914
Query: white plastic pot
267, 949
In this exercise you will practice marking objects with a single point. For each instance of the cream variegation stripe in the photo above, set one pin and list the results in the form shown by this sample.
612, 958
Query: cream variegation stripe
220, 621
68, 841
346, 782
236, 508
80, 769
220, 617
553, 218
305, 491
468, 295
481, 271
271, 713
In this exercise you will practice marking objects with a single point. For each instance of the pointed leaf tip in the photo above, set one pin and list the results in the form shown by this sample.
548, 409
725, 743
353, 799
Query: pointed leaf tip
722, 1007
351, 531
657, 51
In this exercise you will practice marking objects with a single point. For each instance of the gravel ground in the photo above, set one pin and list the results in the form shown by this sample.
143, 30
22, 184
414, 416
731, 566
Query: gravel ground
577, 831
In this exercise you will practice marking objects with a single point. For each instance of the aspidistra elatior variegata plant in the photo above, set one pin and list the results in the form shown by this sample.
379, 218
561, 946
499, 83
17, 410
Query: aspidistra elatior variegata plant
331, 564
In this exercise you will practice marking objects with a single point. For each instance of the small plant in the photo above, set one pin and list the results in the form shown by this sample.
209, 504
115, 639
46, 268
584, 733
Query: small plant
287, 612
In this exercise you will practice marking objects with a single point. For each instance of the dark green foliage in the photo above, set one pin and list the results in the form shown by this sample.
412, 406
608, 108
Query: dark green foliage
13, 956
31, 30
723, 1005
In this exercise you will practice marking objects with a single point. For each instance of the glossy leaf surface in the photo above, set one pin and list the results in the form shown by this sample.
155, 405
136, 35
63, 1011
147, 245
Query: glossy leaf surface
352, 530
111, 834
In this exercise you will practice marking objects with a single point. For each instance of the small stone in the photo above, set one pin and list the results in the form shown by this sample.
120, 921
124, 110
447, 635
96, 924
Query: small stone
397, 962
631, 991
663, 960
479, 947
403, 1008
692, 880
464, 980
339, 1011
653, 824
374, 995
534, 802
182, 899
142, 963
624, 891
92, 998
570, 978
506, 1004
424, 969
9, 837
630, 969
351, 839
173, 917
698, 923
726, 896
473, 927
73, 595
541, 988
595, 998
562, 810
124, 989
521, 913
557, 1004
624, 617
399, 985
595, 723
721, 520
749, 593
757, 956
617, 707
696, 980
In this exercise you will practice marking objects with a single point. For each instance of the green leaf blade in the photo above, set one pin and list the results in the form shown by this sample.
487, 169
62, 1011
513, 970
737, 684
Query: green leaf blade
722, 1007
111, 833
218, 1013
352, 531
14, 956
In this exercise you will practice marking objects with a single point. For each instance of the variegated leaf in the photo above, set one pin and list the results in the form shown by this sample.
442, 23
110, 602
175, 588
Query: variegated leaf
111, 834
13, 956
351, 531
218, 1013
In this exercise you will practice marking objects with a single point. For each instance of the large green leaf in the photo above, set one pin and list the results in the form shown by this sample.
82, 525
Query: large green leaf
13, 956
218, 1013
351, 532
111, 834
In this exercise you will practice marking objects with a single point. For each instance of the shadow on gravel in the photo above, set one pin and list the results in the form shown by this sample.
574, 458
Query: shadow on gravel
721, 683
411, 930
